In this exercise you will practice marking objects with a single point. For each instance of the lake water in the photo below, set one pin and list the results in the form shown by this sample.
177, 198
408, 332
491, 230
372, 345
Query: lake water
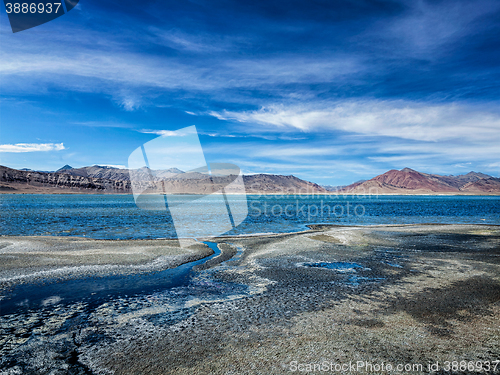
117, 216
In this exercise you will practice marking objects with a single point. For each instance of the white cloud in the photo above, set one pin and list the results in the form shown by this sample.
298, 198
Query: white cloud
32, 147
167, 73
424, 30
119, 166
457, 151
130, 104
313, 168
494, 165
194, 42
295, 151
167, 133
111, 68
401, 119
104, 124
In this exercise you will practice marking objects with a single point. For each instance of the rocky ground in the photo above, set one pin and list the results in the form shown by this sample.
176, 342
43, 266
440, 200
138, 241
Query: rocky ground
415, 295
32, 258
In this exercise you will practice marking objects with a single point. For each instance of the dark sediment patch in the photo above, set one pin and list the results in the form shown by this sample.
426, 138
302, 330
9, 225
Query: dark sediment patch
336, 266
368, 323
452, 242
320, 227
463, 301
227, 252
324, 238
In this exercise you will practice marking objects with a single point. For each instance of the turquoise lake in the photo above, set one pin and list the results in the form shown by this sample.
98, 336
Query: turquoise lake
117, 216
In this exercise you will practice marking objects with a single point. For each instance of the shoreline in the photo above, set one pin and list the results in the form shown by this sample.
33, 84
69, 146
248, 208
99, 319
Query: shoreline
74, 257
26, 259
312, 228
338, 194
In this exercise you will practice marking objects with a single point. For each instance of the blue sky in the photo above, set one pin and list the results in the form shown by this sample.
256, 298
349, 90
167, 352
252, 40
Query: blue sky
329, 91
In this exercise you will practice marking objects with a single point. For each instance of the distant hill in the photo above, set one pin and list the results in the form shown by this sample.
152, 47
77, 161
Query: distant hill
111, 173
65, 168
99, 179
22, 181
335, 188
278, 184
409, 181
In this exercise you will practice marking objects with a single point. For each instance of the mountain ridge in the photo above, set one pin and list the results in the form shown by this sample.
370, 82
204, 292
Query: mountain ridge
111, 180
410, 181
97, 179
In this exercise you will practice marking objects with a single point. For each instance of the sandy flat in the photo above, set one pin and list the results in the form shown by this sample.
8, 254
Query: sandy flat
25, 259
416, 295
426, 294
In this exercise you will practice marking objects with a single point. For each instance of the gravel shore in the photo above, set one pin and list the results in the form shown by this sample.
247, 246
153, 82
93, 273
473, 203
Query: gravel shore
28, 259
416, 295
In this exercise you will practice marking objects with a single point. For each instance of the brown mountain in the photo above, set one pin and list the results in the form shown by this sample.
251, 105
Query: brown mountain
277, 184
461, 180
110, 173
409, 181
109, 180
485, 185
18, 181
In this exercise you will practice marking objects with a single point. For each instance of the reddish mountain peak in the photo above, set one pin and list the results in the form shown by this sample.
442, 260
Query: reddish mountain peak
477, 175
409, 170
410, 181
408, 178
394, 173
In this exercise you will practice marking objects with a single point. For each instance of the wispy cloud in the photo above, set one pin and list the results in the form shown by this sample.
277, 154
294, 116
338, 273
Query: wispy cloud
130, 103
167, 133
401, 119
103, 124
32, 147
242, 134
204, 43
424, 31
133, 79
118, 69
119, 166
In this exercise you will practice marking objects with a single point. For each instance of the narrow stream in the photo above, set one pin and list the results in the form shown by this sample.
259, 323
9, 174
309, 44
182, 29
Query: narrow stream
60, 317
97, 290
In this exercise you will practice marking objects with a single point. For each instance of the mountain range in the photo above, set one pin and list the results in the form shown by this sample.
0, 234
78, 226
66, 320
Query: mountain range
104, 179
409, 181
100, 179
